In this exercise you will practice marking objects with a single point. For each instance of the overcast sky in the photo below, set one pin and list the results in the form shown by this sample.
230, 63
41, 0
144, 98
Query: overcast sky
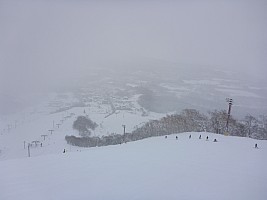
41, 41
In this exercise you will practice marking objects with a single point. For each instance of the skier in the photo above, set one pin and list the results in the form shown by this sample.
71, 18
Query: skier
64, 151
214, 140
207, 138
200, 137
189, 136
256, 146
166, 137
176, 137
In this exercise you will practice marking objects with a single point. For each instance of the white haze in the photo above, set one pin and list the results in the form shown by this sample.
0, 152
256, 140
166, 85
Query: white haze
46, 44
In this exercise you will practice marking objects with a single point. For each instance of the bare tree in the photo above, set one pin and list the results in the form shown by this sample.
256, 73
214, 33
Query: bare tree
251, 125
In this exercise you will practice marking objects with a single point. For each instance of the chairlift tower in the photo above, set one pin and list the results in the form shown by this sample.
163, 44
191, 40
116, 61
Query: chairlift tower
44, 136
29, 152
124, 127
230, 103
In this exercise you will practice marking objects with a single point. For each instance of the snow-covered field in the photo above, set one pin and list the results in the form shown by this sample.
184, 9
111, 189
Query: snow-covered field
154, 168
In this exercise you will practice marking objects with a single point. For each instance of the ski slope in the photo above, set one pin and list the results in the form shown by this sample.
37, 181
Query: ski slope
33, 126
154, 168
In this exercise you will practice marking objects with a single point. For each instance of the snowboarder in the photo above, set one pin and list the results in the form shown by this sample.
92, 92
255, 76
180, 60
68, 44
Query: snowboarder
214, 140
256, 146
200, 137
189, 136
176, 137
64, 151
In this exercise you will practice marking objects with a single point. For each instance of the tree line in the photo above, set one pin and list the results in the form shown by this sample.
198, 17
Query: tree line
189, 120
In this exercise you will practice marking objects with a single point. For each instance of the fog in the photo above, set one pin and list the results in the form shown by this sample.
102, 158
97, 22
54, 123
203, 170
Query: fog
47, 44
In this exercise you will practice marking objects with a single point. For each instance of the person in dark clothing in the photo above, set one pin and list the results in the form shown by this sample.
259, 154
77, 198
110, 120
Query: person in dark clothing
207, 138
200, 137
166, 137
189, 136
214, 140
176, 137
64, 151
256, 146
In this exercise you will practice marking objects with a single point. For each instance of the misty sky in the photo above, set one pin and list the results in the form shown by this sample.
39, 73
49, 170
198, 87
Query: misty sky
46, 42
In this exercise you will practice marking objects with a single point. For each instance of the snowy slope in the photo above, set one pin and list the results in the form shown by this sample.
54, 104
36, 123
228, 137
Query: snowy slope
33, 126
154, 168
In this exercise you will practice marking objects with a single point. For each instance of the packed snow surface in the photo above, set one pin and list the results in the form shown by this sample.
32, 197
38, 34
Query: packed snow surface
154, 168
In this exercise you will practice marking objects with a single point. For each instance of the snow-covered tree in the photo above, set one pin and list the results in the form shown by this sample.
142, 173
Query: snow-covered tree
251, 125
194, 120
217, 121
83, 125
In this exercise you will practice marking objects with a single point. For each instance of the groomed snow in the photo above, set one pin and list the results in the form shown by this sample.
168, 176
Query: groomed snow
154, 168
